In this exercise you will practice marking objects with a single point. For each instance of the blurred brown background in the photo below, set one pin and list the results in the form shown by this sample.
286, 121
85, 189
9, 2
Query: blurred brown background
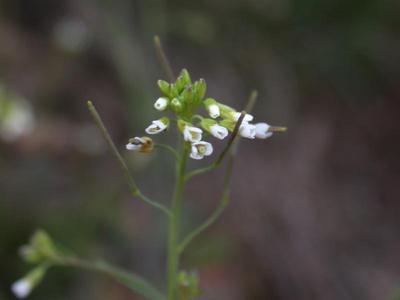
315, 211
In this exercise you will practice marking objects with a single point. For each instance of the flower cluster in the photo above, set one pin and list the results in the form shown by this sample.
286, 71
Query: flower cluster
183, 99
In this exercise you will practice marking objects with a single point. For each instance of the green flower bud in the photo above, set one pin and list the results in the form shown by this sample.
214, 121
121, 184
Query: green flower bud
180, 84
165, 87
215, 129
181, 124
188, 285
226, 111
43, 244
186, 77
187, 95
199, 90
175, 92
30, 254
212, 107
228, 123
207, 123
176, 105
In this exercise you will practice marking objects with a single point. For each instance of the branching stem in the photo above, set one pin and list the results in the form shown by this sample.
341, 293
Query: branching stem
131, 181
230, 149
173, 228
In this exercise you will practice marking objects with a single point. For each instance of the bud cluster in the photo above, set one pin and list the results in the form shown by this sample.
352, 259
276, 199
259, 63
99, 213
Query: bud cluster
183, 99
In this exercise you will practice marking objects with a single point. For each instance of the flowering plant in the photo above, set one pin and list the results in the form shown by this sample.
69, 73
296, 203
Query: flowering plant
181, 103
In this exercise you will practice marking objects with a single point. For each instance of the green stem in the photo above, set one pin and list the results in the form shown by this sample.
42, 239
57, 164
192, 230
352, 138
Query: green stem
230, 150
131, 182
128, 279
162, 58
219, 209
173, 228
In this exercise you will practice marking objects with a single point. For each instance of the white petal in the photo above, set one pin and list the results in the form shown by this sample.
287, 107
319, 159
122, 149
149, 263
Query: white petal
218, 131
247, 131
202, 148
209, 148
192, 134
262, 130
161, 104
133, 147
21, 288
247, 117
213, 111
156, 127
196, 156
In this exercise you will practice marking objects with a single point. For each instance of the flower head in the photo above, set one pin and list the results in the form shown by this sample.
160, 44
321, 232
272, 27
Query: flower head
141, 144
24, 286
212, 108
192, 134
247, 130
218, 131
21, 288
201, 149
262, 130
161, 103
158, 126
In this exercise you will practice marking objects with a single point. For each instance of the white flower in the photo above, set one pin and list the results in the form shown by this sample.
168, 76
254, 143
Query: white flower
218, 131
201, 149
247, 117
213, 111
18, 120
192, 134
21, 288
262, 131
142, 144
157, 126
135, 144
247, 130
161, 104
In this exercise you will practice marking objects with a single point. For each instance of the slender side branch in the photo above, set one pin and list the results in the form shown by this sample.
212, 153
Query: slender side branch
217, 212
251, 101
131, 182
232, 144
128, 279
163, 59
249, 106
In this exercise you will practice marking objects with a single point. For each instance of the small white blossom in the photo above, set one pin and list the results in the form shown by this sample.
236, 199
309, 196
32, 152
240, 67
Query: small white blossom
192, 134
21, 288
157, 126
161, 104
218, 131
141, 144
247, 130
213, 111
247, 117
135, 144
262, 131
201, 149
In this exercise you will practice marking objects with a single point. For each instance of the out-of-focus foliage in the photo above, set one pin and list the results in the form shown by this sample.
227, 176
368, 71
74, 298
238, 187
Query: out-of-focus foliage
314, 213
